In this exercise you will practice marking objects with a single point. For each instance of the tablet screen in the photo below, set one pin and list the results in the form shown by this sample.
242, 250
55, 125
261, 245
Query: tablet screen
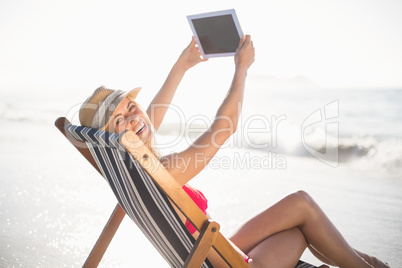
217, 33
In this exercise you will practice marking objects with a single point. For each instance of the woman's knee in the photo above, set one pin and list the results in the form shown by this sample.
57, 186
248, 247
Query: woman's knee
304, 195
304, 201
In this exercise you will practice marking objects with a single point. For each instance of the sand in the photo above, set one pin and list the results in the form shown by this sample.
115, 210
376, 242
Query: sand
53, 204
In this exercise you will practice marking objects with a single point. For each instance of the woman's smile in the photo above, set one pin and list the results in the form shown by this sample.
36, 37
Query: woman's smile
140, 128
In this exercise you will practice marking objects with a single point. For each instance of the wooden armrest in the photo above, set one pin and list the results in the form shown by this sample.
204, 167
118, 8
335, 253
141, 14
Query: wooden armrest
203, 244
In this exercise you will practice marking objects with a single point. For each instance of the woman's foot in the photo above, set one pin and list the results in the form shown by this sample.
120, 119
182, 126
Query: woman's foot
376, 263
373, 261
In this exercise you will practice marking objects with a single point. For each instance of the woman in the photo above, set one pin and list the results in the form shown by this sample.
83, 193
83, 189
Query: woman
294, 223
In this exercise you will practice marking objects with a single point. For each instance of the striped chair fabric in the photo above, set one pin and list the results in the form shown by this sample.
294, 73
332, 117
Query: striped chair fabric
138, 195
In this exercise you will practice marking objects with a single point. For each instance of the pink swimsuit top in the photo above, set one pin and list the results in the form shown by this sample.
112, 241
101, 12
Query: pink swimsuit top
202, 203
199, 200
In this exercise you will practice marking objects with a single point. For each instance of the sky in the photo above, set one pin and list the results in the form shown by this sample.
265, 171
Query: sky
80, 44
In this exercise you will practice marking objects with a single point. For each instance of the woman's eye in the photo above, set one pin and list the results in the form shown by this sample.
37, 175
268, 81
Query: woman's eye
118, 121
131, 108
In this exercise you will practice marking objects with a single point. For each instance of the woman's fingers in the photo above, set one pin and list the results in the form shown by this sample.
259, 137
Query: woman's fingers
242, 41
193, 42
245, 41
245, 53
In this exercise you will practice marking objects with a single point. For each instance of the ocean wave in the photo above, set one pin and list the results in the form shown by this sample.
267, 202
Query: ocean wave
387, 156
346, 148
385, 153
378, 153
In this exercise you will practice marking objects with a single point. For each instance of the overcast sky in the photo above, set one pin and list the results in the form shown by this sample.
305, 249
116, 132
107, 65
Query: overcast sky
339, 43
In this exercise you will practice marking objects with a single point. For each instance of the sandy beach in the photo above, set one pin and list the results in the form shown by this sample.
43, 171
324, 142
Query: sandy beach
54, 204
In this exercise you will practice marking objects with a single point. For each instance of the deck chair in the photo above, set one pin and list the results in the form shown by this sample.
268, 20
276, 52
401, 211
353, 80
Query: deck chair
143, 189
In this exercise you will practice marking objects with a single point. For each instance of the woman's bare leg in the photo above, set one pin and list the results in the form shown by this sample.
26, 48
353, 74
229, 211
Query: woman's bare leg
282, 249
373, 261
299, 210
319, 256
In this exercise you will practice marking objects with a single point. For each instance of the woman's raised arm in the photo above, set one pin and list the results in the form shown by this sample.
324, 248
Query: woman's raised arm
158, 107
188, 163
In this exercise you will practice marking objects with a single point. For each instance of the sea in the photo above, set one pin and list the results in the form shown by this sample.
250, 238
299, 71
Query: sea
363, 124
42, 201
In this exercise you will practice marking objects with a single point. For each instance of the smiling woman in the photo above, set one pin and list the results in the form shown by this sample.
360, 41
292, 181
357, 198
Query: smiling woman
117, 111
296, 222
129, 115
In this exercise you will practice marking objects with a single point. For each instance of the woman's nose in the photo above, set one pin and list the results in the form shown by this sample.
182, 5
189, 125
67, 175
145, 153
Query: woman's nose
133, 120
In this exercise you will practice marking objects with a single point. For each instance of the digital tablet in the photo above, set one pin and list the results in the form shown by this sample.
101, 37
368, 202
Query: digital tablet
217, 33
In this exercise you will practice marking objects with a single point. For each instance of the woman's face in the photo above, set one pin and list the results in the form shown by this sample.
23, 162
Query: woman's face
130, 116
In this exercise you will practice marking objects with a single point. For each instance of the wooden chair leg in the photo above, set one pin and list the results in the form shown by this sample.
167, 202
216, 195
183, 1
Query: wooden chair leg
203, 244
105, 238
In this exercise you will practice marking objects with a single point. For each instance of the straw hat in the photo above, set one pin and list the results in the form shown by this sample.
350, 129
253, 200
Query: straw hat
96, 111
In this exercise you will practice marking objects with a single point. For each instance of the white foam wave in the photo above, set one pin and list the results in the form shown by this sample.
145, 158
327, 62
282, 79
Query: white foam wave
382, 153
